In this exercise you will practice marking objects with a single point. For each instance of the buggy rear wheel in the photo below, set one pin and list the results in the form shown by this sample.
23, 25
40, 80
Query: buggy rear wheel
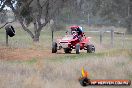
54, 47
90, 48
77, 48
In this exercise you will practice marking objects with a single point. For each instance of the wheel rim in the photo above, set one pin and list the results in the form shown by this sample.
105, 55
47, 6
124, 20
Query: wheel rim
93, 49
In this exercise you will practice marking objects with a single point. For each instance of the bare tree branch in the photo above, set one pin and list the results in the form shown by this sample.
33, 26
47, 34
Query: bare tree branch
30, 2
2, 6
25, 28
38, 10
21, 21
44, 24
6, 24
39, 13
47, 12
44, 3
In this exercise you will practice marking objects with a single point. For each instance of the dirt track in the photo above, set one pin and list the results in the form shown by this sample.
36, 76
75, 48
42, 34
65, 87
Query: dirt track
28, 53
7, 53
23, 54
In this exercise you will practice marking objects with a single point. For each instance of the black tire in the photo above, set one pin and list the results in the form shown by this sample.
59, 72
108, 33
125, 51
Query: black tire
77, 48
90, 48
85, 82
67, 50
54, 47
10, 30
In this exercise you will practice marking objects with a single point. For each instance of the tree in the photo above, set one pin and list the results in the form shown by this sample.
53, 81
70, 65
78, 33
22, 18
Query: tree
117, 12
110, 12
38, 12
3, 16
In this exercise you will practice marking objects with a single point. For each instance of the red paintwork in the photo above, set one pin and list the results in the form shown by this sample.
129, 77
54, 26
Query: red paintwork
74, 27
72, 42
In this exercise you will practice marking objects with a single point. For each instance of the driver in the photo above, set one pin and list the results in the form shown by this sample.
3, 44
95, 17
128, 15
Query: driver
80, 31
75, 35
77, 31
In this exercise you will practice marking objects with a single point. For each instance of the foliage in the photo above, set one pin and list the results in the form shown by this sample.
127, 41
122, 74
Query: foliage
37, 12
3, 16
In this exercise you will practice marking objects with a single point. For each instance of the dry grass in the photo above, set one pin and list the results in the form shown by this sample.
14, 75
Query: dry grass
60, 70
64, 74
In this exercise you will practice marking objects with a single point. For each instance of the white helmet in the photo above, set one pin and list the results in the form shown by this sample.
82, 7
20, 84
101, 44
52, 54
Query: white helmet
80, 27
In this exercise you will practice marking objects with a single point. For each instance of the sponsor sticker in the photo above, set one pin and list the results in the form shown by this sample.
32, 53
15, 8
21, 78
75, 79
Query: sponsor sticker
86, 81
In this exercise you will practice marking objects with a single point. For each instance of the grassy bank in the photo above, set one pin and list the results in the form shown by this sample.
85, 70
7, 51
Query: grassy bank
25, 65
64, 71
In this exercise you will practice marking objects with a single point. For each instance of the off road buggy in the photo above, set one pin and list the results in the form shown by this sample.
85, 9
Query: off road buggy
74, 39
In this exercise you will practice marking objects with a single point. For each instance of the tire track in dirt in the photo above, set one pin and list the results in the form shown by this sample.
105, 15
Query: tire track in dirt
23, 54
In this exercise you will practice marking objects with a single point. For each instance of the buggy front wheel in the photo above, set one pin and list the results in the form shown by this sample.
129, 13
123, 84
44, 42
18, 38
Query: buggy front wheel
77, 48
54, 47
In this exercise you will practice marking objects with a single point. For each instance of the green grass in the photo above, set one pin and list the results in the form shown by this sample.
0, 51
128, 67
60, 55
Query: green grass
27, 62
24, 40
83, 55
63, 70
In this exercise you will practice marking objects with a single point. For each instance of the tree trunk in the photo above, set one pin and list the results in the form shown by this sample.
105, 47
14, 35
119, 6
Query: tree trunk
129, 19
129, 25
36, 36
129, 29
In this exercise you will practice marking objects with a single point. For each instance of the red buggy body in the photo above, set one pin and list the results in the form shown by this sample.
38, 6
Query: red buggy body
73, 40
